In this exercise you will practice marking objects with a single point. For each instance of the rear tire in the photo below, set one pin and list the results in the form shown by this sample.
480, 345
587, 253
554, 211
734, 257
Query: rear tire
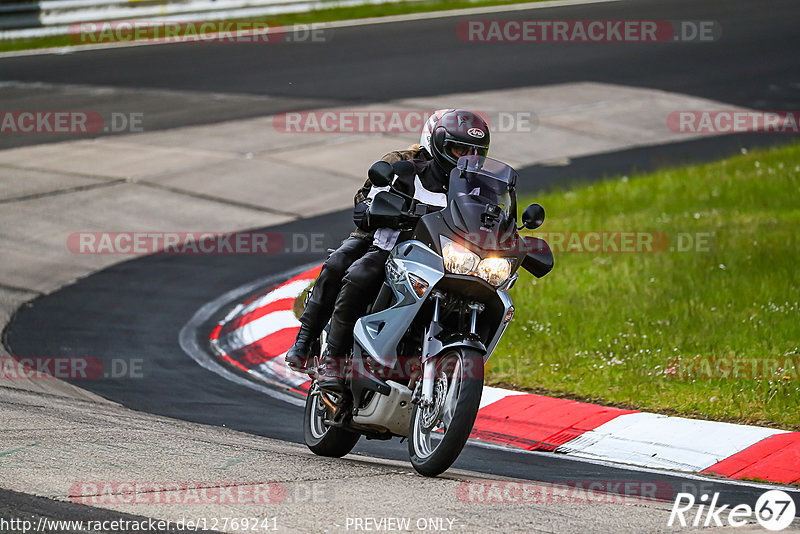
431, 459
323, 439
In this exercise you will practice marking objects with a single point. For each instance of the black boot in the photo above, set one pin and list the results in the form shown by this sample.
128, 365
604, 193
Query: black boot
321, 302
313, 320
298, 356
330, 373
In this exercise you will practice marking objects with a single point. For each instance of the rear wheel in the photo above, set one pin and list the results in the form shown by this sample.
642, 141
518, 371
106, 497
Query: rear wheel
440, 430
320, 436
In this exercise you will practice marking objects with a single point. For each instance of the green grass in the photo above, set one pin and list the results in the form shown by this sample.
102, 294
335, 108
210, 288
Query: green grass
321, 15
610, 327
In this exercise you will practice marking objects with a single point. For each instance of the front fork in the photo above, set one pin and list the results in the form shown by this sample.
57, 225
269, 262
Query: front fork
432, 345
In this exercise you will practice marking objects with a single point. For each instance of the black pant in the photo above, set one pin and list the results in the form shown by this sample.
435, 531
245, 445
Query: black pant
323, 295
361, 285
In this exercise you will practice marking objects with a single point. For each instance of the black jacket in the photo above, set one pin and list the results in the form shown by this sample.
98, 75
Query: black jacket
360, 201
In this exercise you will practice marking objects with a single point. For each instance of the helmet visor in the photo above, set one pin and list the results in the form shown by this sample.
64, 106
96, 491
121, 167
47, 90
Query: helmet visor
454, 150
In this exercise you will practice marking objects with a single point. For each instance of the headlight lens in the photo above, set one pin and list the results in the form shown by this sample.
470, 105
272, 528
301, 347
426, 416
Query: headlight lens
494, 270
458, 259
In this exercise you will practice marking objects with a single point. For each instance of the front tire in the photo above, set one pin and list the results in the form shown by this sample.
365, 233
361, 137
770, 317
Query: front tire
321, 438
438, 433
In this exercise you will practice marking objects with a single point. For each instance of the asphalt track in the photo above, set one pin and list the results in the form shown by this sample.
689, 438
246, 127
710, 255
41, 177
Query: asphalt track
24, 507
754, 64
136, 309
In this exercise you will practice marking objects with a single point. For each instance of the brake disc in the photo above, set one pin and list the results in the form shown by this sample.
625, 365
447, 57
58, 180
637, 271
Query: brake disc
432, 414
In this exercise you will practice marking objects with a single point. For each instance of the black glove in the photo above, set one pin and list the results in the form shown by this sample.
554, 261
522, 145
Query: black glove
361, 215
368, 221
406, 221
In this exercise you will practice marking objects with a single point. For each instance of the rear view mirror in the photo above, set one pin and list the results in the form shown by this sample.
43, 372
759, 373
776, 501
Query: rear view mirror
381, 174
533, 217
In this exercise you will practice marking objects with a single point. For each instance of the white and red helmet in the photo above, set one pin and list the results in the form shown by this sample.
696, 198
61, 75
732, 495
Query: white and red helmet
427, 130
456, 133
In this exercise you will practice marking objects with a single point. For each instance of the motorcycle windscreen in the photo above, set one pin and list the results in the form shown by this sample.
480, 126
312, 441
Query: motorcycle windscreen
482, 195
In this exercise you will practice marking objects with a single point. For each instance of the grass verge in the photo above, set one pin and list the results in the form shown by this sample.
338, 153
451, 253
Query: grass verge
711, 333
309, 17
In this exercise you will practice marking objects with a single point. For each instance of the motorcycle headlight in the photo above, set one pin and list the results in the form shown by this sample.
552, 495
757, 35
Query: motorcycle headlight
459, 260
494, 270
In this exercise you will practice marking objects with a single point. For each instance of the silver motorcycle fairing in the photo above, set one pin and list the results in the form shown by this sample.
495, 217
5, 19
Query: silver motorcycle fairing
390, 412
508, 305
380, 333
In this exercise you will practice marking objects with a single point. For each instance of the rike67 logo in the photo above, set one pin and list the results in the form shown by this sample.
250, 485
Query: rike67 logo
774, 510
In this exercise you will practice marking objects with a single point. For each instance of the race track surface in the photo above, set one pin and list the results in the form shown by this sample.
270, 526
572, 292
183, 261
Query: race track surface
176, 85
136, 309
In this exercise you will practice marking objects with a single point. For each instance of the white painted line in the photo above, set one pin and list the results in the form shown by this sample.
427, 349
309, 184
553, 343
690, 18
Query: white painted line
459, 13
411, 17
188, 337
616, 465
491, 395
654, 440
259, 329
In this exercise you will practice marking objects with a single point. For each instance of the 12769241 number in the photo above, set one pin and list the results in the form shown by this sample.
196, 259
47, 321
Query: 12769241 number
239, 524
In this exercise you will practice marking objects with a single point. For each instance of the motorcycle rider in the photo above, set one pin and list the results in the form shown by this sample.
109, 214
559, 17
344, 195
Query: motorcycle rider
321, 302
457, 133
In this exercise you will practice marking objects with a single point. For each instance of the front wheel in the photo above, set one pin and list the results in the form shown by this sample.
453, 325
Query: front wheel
439, 431
322, 438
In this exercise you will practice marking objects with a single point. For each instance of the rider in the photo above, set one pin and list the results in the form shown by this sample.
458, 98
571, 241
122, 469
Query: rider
457, 133
321, 302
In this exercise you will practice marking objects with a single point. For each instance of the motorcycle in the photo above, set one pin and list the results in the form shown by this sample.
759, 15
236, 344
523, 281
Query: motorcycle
417, 366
